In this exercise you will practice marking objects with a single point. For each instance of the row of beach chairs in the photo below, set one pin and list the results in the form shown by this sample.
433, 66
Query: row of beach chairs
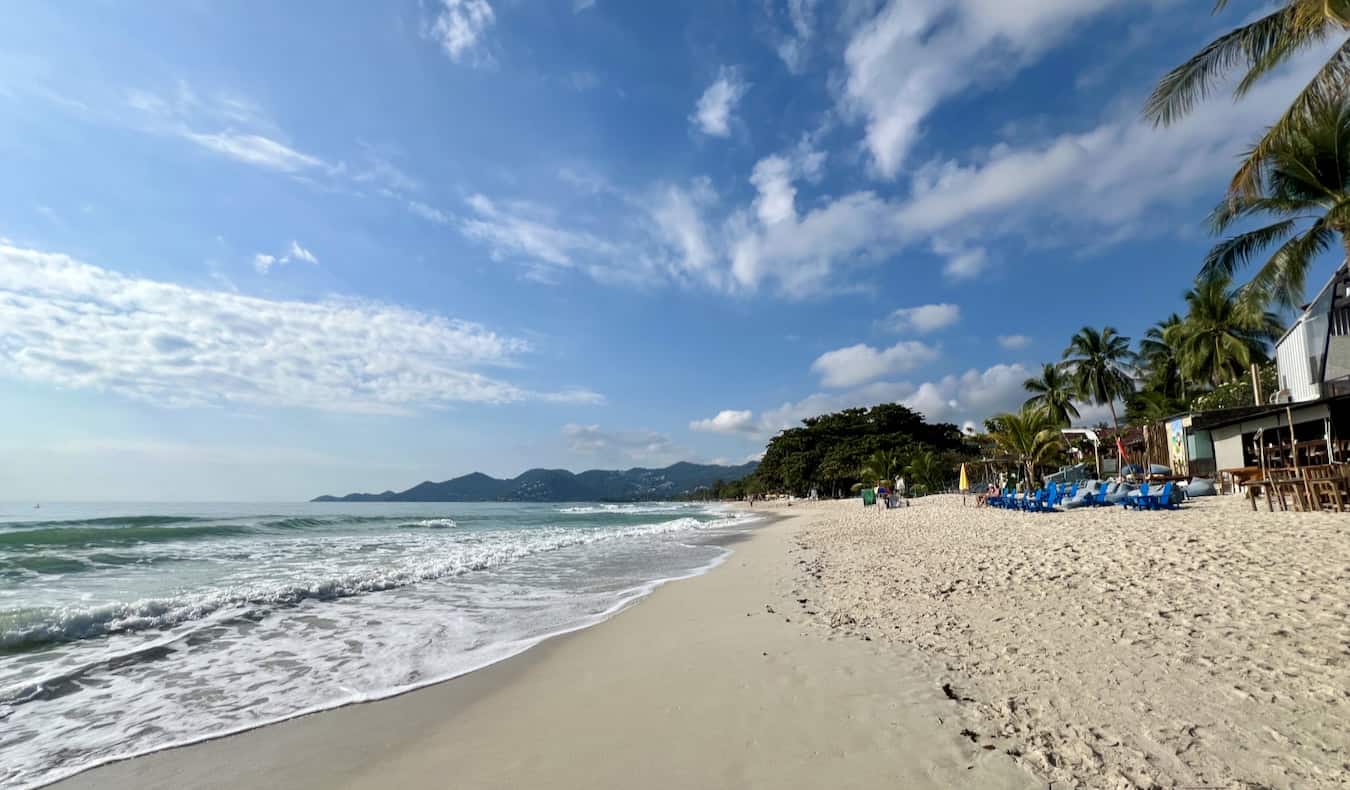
1047, 499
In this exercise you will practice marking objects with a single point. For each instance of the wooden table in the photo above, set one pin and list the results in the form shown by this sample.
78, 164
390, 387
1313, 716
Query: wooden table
1239, 475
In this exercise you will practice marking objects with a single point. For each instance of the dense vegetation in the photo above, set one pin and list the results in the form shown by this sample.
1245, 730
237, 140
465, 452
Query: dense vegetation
833, 452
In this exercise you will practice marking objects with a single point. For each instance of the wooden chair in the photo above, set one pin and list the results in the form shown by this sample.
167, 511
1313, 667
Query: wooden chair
1289, 488
1324, 487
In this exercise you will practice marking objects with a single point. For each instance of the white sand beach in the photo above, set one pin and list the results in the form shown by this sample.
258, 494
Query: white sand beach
1105, 648
933, 646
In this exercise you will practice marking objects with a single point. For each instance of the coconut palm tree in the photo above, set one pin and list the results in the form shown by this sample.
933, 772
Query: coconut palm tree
1053, 393
1157, 357
927, 471
881, 465
1305, 187
1256, 49
1029, 435
1098, 364
1225, 331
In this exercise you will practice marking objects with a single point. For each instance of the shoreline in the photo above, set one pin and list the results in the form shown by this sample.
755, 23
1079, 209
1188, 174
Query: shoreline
621, 684
634, 596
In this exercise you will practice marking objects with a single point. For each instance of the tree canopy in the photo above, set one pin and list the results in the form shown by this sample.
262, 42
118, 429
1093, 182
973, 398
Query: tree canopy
833, 451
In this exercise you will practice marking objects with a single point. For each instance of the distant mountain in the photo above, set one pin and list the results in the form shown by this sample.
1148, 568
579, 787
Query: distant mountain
560, 485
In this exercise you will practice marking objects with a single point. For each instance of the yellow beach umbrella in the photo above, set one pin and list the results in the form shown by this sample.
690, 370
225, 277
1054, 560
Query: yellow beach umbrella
965, 481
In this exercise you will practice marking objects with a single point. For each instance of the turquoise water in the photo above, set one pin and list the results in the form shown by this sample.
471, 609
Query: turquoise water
128, 628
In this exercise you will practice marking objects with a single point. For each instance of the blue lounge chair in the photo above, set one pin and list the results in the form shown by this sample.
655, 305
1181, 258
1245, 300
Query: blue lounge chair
1139, 501
1099, 498
1163, 500
1049, 498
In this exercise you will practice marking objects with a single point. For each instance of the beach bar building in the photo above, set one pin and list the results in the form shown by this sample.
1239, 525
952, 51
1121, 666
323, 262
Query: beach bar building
1305, 423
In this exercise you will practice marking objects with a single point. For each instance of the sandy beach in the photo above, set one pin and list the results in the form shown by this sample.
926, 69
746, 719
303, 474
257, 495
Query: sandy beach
932, 646
1205, 648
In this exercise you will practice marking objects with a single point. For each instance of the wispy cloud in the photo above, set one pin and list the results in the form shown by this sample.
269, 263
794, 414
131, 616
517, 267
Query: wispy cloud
254, 149
264, 262
460, 28
641, 446
1014, 342
523, 230
223, 124
75, 325
909, 57
713, 112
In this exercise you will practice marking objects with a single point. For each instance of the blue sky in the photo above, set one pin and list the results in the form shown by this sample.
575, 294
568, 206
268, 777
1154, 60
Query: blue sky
271, 250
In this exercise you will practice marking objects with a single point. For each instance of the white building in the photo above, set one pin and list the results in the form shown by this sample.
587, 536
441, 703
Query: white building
1313, 357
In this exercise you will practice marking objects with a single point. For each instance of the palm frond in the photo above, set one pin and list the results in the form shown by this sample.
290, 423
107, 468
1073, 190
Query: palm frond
1282, 278
1232, 254
1181, 88
1328, 85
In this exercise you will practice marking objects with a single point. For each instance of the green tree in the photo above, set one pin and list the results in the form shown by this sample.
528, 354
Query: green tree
1225, 331
880, 467
1257, 48
1158, 360
1304, 184
1053, 393
828, 452
1097, 361
1150, 406
927, 472
1029, 435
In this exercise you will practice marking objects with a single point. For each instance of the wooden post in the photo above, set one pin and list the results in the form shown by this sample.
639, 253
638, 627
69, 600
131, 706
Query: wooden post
1256, 384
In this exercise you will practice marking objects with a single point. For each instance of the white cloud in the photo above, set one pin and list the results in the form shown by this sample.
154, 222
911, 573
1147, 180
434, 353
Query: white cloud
794, 47
913, 54
298, 253
459, 29
582, 5
925, 318
713, 112
962, 263
640, 446
858, 364
254, 149
243, 132
428, 212
263, 262
727, 421
678, 215
974, 394
1110, 175
524, 230
79, 326
1014, 342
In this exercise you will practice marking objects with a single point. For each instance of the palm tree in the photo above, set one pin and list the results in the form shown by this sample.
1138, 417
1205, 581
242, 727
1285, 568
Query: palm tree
927, 470
1258, 48
1225, 331
1158, 357
1053, 394
1098, 364
1305, 178
1029, 435
881, 465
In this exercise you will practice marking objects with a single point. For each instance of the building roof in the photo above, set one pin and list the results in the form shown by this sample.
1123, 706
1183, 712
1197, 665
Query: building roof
1218, 418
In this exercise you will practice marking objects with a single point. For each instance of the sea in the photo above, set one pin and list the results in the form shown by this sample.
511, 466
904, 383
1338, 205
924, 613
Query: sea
129, 628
